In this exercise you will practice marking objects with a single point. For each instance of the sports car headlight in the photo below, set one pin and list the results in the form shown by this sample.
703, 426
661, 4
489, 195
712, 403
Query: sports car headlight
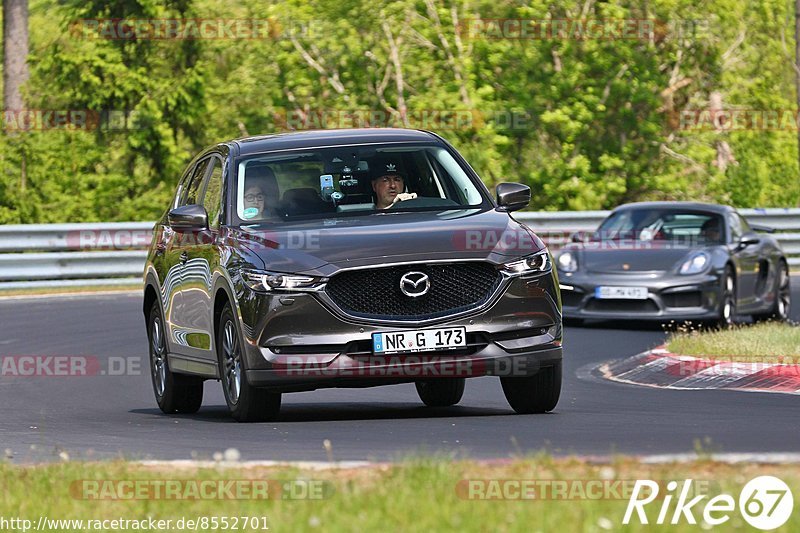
263, 281
538, 262
695, 264
567, 262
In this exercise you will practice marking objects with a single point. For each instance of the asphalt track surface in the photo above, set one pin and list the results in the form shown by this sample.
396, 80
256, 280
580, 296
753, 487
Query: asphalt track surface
104, 416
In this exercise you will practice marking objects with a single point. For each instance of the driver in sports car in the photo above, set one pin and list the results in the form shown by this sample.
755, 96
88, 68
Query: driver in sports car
388, 184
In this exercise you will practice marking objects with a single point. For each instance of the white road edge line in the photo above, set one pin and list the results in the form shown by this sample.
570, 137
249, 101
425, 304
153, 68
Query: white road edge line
74, 295
728, 458
306, 465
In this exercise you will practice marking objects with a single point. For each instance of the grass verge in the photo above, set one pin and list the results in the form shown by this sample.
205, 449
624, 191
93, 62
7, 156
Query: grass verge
767, 342
415, 495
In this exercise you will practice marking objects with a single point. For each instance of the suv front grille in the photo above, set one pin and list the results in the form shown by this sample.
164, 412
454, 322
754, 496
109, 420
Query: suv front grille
375, 293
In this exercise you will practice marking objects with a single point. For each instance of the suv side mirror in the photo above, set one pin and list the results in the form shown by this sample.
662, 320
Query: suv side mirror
188, 217
512, 196
579, 236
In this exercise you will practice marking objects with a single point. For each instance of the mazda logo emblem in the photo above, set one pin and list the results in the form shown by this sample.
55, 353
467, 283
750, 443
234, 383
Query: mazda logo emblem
415, 284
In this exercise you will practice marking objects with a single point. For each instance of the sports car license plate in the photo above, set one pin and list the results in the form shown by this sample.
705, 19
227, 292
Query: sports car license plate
419, 340
621, 293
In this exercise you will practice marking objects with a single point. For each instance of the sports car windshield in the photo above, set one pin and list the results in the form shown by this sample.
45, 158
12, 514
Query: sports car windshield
336, 181
684, 227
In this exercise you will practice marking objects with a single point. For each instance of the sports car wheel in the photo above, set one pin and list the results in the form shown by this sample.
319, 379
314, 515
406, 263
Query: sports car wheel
534, 394
783, 297
441, 392
175, 393
245, 402
727, 300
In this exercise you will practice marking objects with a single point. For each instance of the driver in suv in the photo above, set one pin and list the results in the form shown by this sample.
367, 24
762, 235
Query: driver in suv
389, 185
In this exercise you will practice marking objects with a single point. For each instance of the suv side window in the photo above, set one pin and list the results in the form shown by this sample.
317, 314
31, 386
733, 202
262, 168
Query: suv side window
182, 184
191, 195
212, 198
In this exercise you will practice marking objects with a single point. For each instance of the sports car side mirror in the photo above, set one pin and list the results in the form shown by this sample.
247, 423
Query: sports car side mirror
748, 240
512, 196
188, 218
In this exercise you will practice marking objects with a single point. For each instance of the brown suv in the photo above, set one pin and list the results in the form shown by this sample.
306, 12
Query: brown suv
347, 258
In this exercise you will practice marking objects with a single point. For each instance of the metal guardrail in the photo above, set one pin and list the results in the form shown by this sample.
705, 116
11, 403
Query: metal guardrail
84, 236
102, 254
73, 255
72, 265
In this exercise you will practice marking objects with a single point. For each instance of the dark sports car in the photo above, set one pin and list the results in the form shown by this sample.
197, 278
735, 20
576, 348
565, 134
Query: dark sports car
674, 261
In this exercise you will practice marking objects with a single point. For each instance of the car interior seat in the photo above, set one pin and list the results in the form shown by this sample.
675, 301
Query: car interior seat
304, 201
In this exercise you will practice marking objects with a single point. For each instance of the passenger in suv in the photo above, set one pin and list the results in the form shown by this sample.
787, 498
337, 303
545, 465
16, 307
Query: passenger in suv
326, 291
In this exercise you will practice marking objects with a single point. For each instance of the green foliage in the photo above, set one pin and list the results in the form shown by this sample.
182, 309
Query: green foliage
587, 123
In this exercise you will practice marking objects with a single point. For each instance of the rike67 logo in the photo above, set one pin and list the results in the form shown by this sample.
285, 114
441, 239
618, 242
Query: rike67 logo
765, 503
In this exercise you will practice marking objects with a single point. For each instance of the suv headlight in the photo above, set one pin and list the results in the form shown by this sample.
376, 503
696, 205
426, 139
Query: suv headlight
567, 262
538, 262
695, 264
264, 281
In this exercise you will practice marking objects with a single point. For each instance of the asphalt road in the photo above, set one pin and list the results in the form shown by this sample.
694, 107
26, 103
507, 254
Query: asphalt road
103, 416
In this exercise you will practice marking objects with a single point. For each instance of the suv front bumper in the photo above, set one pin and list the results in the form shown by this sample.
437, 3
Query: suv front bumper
295, 342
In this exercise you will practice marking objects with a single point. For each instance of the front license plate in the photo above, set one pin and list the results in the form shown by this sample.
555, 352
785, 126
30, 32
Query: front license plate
621, 293
422, 340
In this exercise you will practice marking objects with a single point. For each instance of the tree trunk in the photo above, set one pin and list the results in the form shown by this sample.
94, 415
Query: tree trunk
15, 43
23, 178
725, 156
797, 62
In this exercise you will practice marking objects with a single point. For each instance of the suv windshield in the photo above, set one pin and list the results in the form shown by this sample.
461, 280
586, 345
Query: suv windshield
684, 227
338, 180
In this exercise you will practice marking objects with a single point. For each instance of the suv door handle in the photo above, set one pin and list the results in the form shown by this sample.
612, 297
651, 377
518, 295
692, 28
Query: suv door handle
184, 257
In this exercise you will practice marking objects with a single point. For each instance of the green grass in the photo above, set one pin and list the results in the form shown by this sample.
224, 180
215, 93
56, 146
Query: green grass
768, 342
415, 495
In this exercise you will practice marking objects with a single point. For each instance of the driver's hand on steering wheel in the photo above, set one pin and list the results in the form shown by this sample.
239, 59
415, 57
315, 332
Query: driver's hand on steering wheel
404, 196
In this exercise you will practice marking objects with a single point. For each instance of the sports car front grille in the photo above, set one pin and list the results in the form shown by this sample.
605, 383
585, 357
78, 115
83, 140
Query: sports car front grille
375, 293
620, 306
683, 299
571, 298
